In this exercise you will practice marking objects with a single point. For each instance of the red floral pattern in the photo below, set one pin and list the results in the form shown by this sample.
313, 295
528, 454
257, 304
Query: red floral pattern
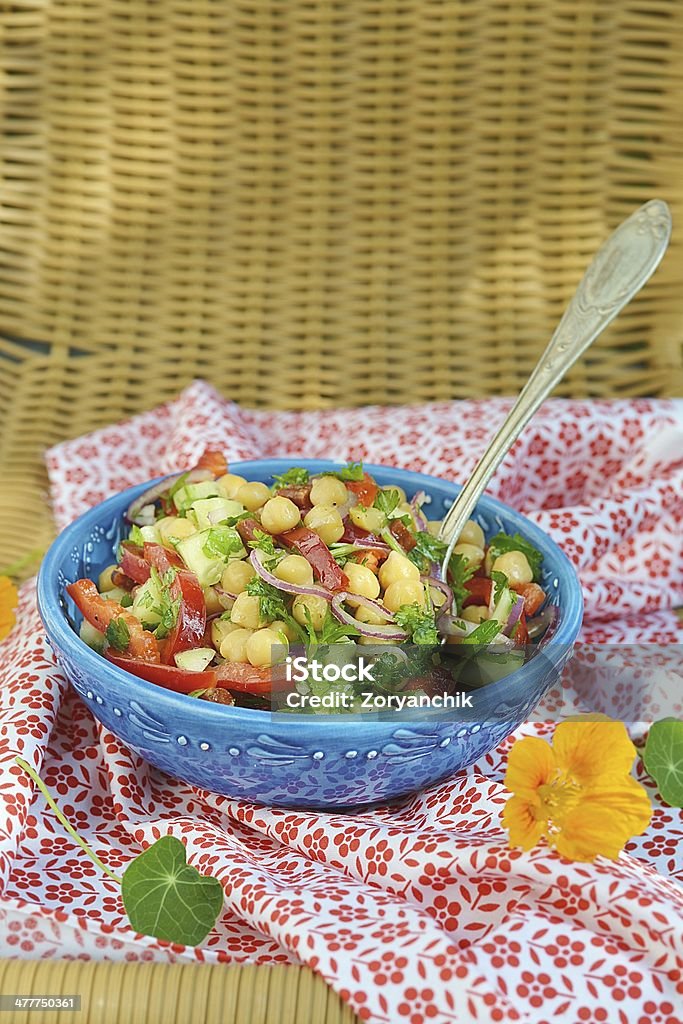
418, 913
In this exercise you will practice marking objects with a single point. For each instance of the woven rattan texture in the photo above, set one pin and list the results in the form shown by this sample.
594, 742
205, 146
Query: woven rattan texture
320, 203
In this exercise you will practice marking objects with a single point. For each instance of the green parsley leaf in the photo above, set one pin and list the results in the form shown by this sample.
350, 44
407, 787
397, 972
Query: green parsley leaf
180, 483
118, 634
503, 542
126, 601
221, 542
418, 622
264, 542
427, 550
135, 536
271, 600
333, 632
387, 501
485, 632
459, 572
353, 471
167, 898
663, 758
294, 477
500, 583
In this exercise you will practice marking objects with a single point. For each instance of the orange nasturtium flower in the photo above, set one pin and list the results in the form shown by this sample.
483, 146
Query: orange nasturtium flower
578, 794
9, 599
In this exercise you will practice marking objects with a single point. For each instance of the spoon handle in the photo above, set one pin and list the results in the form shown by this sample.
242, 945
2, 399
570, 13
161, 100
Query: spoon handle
617, 272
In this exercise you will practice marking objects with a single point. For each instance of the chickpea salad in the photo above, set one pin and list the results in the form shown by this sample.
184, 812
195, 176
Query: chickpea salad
219, 576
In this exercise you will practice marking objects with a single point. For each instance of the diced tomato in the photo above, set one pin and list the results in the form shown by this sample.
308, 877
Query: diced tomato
133, 562
402, 534
247, 529
365, 490
299, 494
479, 588
99, 612
191, 621
533, 595
168, 676
119, 579
521, 633
309, 544
213, 460
244, 678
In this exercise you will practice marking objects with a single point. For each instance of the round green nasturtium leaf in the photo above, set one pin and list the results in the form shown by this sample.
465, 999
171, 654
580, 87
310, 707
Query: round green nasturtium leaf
167, 898
663, 758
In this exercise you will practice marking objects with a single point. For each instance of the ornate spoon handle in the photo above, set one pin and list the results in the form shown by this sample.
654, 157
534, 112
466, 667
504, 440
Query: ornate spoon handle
617, 272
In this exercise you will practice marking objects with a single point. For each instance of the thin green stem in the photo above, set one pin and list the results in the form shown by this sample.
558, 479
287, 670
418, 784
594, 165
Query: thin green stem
72, 831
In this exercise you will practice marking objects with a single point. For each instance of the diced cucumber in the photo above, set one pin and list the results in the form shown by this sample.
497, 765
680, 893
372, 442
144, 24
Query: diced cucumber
492, 667
150, 534
91, 636
195, 660
114, 595
148, 599
220, 510
185, 496
503, 606
207, 568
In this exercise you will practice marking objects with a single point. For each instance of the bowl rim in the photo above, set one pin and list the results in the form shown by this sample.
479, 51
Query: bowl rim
48, 600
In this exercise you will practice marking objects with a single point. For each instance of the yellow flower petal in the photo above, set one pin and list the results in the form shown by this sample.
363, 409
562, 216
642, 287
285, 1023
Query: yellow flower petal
9, 599
531, 763
605, 821
520, 821
590, 751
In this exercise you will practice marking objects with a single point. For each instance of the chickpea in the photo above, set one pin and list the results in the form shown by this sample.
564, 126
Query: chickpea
515, 565
370, 616
284, 627
474, 556
245, 612
220, 628
234, 645
474, 613
370, 519
279, 515
326, 522
362, 581
104, 580
472, 533
295, 569
174, 528
229, 485
252, 495
402, 592
317, 608
212, 601
260, 646
236, 575
327, 490
398, 567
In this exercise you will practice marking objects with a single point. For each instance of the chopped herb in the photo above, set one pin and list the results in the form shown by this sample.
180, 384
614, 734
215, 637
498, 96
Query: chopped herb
264, 542
485, 632
353, 471
333, 632
502, 543
135, 536
387, 501
234, 520
500, 583
294, 477
178, 485
459, 572
418, 622
126, 601
221, 542
118, 634
271, 601
427, 550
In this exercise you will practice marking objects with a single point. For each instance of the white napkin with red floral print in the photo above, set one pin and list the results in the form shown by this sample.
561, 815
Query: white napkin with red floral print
419, 913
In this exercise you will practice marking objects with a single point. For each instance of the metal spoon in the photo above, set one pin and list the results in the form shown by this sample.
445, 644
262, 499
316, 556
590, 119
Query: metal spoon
617, 272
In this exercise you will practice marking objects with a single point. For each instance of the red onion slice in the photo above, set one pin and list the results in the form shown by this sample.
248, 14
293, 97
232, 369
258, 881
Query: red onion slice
515, 615
367, 542
418, 514
543, 623
388, 632
313, 590
137, 512
443, 588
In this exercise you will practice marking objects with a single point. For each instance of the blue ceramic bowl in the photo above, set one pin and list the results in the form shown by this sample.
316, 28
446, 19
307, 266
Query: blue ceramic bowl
325, 761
